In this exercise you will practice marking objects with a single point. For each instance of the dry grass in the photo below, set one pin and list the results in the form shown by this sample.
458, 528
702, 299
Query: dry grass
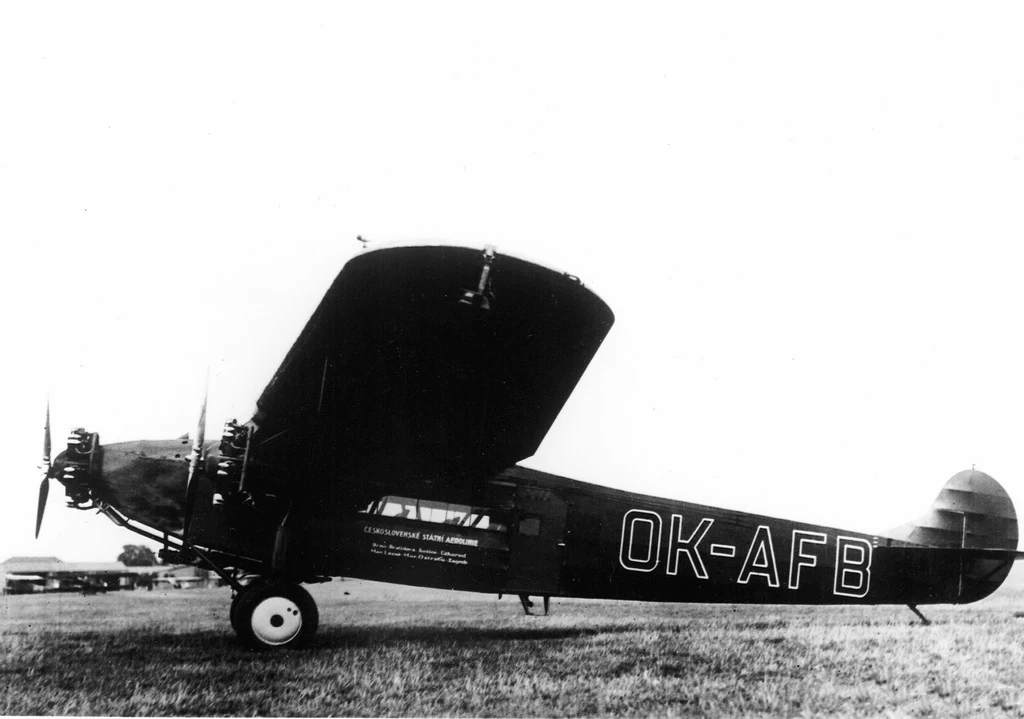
396, 651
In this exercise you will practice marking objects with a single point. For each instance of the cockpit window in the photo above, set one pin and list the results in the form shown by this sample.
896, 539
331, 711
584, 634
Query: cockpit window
426, 510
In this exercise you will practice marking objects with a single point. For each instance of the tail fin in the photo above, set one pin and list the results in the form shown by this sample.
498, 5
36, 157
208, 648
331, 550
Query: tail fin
972, 511
964, 547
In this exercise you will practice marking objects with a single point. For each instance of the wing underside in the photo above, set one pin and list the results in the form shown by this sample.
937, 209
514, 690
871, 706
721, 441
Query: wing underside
429, 361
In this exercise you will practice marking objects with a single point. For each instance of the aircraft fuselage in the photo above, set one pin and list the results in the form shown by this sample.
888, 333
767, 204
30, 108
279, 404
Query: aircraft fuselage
528, 532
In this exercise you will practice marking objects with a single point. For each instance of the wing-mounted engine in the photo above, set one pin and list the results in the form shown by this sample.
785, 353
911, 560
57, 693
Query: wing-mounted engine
230, 475
239, 482
81, 465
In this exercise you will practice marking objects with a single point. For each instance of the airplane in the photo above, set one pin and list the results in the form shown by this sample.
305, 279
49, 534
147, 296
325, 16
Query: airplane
386, 447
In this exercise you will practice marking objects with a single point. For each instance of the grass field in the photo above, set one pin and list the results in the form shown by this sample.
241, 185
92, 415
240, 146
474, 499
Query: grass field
385, 650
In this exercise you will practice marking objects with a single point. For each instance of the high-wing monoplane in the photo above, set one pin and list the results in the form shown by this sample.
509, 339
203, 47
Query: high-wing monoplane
386, 446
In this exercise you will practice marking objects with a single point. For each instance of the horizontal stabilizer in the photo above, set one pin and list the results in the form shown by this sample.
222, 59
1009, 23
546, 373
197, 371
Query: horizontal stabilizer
968, 553
940, 575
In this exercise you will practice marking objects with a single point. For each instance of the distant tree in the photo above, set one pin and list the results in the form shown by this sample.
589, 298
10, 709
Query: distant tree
136, 555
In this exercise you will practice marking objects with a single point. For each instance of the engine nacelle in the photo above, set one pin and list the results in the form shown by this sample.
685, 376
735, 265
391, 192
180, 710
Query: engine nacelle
231, 465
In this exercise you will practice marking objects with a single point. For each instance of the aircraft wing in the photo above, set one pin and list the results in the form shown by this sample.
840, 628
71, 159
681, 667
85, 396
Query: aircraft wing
426, 360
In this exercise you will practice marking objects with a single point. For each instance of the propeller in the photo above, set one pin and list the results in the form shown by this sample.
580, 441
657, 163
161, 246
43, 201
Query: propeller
44, 467
195, 458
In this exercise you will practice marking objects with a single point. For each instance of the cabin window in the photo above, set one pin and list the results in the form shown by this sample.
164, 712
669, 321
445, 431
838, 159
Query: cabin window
427, 510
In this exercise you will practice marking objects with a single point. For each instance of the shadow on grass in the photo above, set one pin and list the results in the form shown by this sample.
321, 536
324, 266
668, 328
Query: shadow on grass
376, 635
341, 637
141, 648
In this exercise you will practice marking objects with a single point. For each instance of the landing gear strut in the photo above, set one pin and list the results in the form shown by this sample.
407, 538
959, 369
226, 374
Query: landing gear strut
524, 599
273, 614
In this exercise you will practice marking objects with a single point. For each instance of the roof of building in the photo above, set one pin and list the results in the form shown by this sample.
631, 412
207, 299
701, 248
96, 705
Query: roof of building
30, 559
53, 565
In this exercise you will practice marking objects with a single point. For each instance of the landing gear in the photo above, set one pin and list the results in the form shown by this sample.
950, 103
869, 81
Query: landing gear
270, 614
524, 599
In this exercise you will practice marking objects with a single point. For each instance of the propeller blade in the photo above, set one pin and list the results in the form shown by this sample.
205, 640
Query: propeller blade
46, 437
44, 467
194, 460
44, 492
200, 433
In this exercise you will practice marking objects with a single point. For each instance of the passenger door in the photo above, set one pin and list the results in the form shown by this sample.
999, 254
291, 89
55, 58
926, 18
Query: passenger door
536, 543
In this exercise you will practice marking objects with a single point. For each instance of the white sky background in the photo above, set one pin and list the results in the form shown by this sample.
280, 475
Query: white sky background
805, 218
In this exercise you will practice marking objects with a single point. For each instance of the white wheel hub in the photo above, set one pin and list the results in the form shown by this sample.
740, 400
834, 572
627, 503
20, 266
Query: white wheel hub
276, 621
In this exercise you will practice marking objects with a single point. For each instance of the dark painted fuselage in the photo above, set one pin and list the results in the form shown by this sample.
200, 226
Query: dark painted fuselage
523, 531
569, 538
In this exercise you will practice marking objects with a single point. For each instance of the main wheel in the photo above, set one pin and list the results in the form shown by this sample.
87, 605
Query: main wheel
274, 614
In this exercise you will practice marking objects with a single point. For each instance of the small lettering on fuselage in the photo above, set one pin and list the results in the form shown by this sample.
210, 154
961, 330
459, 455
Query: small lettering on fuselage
421, 536
646, 546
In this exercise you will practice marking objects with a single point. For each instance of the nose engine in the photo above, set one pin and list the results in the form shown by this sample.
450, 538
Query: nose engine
78, 466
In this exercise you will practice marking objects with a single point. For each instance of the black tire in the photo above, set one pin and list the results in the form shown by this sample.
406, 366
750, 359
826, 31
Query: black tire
246, 591
233, 614
274, 615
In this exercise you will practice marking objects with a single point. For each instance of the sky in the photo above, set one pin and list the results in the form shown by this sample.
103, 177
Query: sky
805, 216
